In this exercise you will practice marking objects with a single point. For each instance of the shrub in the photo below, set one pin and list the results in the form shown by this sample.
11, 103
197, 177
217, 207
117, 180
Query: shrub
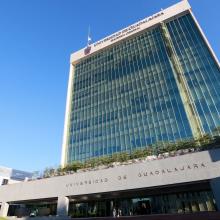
73, 166
93, 162
204, 142
216, 131
59, 169
186, 144
171, 147
136, 154
148, 151
48, 172
105, 160
122, 157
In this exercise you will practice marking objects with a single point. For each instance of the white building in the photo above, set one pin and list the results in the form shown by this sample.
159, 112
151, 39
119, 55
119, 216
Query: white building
10, 176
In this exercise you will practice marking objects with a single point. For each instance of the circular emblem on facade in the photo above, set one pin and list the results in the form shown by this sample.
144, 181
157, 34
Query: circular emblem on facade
87, 50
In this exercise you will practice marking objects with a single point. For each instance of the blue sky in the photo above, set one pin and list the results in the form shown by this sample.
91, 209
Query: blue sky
36, 40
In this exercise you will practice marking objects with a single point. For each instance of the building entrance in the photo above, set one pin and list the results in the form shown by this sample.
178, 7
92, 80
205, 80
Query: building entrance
33, 208
178, 199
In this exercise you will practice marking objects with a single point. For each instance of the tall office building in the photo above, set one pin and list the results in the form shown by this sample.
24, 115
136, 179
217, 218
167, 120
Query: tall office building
157, 80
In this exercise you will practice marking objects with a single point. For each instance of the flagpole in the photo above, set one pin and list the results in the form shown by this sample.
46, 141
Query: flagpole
89, 38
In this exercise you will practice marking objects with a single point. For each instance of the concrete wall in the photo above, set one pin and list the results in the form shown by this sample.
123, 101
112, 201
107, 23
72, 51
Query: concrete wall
180, 169
186, 168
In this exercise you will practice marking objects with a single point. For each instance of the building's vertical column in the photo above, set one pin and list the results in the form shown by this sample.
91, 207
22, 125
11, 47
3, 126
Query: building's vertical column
205, 39
215, 186
67, 114
62, 206
4, 209
182, 85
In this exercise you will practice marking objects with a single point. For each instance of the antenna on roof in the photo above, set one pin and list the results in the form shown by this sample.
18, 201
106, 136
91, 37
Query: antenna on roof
89, 37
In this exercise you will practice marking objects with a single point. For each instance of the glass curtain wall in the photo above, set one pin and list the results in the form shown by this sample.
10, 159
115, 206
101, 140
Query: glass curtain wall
200, 70
126, 97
